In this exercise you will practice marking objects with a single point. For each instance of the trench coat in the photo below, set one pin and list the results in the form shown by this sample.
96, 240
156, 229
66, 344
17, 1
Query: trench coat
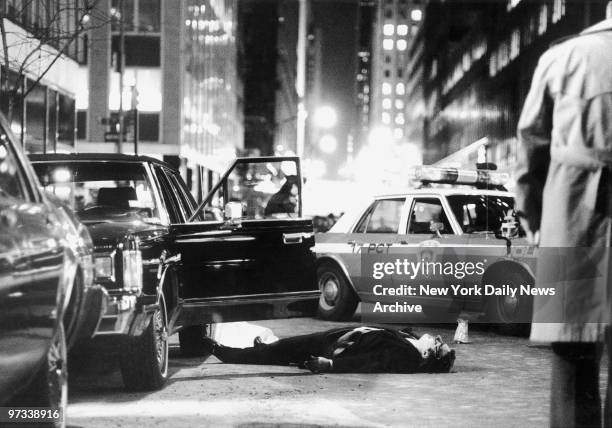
563, 184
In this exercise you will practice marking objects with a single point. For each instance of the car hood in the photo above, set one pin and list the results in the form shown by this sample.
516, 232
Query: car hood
107, 234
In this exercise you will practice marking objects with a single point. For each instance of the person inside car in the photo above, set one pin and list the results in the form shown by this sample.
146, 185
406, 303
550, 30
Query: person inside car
348, 350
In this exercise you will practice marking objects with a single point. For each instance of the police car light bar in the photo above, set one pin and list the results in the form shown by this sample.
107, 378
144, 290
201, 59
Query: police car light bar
431, 174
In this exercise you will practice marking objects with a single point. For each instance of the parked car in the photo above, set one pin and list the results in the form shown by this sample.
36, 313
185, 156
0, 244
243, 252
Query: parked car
171, 266
466, 210
38, 273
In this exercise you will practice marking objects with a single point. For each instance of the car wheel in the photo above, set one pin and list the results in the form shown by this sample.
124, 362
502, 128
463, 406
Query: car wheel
49, 388
144, 358
191, 341
338, 300
509, 313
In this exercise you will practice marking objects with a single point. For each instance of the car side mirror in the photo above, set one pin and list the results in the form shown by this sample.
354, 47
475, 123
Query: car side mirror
232, 211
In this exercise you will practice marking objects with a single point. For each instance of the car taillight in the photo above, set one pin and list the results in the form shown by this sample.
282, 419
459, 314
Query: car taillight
132, 266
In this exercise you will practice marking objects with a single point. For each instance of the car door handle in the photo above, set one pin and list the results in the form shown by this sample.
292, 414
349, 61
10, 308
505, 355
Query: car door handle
293, 238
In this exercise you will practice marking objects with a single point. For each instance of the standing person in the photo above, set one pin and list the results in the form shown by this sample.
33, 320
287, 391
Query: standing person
564, 200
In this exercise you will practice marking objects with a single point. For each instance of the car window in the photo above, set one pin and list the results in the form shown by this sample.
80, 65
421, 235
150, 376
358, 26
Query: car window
425, 212
119, 191
382, 217
168, 192
481, 213
185, 198
12, 179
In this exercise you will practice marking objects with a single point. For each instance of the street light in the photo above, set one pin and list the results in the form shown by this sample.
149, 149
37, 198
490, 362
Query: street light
325, 117
328, 144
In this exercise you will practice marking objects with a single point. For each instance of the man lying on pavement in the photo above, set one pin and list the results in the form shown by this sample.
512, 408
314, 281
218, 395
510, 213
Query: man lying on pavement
348, 349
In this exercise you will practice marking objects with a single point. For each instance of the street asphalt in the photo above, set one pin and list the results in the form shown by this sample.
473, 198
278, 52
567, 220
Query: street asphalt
498, 381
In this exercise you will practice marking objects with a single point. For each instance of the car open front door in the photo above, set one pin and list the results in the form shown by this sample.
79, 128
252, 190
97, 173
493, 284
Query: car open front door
256, 262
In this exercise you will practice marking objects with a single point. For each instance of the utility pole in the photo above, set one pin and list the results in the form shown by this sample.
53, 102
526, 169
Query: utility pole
300, 84
121, 72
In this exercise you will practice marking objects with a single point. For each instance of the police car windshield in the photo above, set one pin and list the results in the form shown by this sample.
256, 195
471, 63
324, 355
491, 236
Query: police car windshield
481, 213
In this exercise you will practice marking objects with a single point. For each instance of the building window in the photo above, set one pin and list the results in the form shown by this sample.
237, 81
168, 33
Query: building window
386, 103
402, 30
388, 29
400, 72
389, 14
140, 16
386, 118
434, 69
398, 133
401, 45
387, 59
558, 10
416, 14
543, 19
400, 89
399, 119
512, 4
399, 104
414, 29
388, 44
386, 88
387, 73
515, 44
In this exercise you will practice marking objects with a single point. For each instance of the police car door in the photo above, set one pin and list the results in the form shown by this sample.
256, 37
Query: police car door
428, 240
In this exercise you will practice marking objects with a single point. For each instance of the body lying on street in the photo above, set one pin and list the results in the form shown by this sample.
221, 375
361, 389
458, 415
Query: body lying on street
348, 350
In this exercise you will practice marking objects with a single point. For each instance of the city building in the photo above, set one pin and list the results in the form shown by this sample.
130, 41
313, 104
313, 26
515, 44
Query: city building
366, 19
182, 97
42, 45
258, 26
397, 23
478, 60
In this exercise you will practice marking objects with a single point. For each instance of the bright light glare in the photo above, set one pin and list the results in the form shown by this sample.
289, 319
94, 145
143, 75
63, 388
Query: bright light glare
314, 168
328, 144
325, 117
378, 134
61, 175
416, 14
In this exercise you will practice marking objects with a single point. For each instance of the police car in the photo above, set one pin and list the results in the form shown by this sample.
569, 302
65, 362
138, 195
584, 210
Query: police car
468, 212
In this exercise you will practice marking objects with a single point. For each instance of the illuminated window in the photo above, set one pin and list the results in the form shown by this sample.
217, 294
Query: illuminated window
416, 14
386, 118
543, 19
402, 30
386, 88
515, 44
388, 29
398, 133
558, 10
386, 103
401, 45
388, 44
400, 89
399, 104
399, 119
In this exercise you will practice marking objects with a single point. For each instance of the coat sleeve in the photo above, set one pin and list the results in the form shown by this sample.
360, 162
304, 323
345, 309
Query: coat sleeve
534, 136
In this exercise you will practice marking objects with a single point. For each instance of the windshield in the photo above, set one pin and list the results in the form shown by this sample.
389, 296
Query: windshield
98, 191
481, 213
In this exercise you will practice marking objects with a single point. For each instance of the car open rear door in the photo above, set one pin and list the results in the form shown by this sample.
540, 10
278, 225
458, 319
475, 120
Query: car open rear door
257, 262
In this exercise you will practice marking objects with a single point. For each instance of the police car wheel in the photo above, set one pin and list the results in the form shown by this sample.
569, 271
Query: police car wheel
338, 300
511, 314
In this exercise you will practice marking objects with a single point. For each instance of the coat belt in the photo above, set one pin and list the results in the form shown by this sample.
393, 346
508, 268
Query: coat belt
581, 157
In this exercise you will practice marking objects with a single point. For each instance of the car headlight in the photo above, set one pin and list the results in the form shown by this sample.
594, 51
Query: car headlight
104, 267
132, 266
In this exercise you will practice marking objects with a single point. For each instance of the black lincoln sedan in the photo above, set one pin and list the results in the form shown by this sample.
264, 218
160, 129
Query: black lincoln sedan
170, 265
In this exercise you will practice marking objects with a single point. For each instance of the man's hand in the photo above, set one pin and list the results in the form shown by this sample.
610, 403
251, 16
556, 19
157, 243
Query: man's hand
318, 364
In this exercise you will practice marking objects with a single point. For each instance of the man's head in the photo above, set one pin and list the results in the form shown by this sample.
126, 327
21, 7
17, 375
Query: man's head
441, 358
